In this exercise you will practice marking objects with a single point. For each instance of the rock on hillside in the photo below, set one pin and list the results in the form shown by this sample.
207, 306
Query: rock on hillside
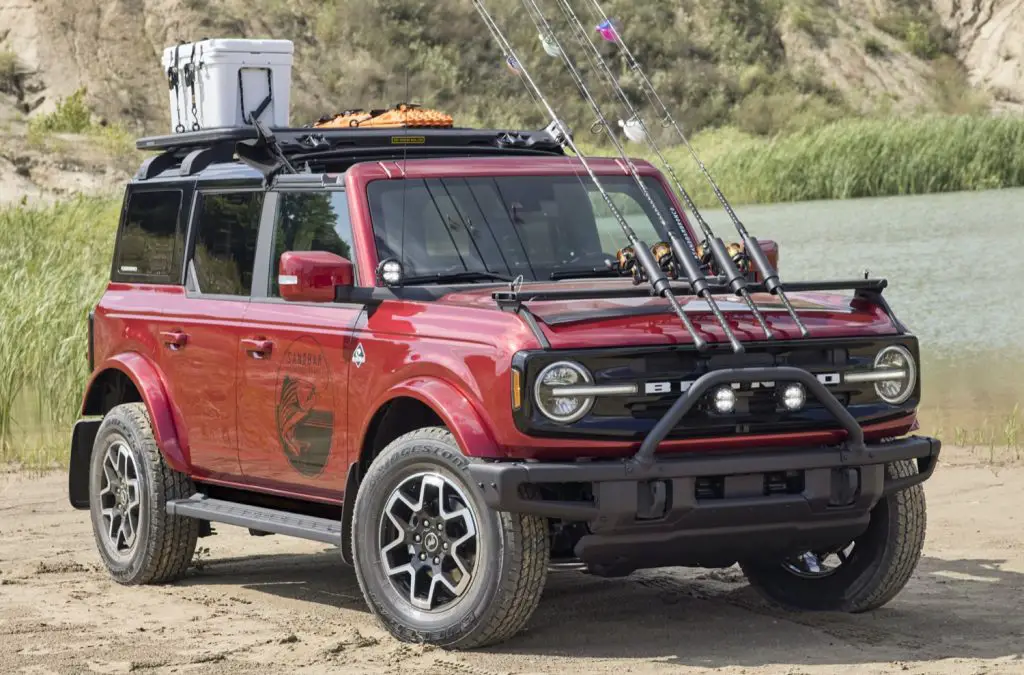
991, 44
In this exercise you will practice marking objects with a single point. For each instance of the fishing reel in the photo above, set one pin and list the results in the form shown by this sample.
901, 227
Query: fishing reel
736, 252
627, 265
663, 255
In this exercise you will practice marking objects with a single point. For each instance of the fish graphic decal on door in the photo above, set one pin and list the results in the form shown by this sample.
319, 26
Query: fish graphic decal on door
305, 407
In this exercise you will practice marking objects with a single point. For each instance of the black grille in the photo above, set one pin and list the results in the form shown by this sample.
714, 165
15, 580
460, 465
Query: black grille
758, 409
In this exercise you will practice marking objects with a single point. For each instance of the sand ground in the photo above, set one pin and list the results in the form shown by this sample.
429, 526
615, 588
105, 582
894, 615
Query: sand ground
274, 604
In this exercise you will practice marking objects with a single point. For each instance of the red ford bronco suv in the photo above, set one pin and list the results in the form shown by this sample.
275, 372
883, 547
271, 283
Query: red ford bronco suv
419, 346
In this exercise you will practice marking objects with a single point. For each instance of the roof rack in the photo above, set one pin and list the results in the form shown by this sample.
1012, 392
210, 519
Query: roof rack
195, 150
308, 139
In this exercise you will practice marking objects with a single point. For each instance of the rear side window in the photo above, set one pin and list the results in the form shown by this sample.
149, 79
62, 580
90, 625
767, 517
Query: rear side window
226, 226
151, 244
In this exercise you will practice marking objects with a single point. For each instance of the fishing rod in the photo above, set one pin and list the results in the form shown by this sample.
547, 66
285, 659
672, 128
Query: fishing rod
753, 249
650, 268
736, 280
683, 255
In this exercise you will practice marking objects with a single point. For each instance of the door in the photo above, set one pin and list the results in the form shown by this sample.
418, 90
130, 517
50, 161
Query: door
293, 373
201, 329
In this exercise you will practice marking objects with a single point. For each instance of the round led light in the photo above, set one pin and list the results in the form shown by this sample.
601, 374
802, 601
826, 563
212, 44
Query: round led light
390, 272
898, 360
794, 397
725, 400
562, 409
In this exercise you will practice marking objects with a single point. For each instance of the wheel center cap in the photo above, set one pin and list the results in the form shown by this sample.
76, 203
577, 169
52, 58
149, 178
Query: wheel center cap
431, 542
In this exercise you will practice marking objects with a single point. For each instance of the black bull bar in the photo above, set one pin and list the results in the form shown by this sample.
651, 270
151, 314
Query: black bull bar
646, 505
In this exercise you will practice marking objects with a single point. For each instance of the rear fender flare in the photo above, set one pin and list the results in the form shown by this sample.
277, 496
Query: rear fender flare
149, 382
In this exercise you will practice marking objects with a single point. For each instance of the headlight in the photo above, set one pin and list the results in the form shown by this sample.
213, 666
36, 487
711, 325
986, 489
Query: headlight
562, 408
898, 362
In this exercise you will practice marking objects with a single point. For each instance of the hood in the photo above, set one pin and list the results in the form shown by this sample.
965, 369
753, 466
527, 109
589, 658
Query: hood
611, 322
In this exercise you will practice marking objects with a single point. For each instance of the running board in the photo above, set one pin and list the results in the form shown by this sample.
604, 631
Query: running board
258, 518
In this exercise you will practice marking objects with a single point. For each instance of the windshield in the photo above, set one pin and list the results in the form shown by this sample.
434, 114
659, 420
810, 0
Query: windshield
541, 227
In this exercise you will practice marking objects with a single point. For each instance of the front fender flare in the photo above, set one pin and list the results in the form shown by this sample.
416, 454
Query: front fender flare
149, 382
455, 409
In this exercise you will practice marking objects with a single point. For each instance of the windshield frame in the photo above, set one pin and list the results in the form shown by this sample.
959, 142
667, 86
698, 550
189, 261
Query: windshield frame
360, 177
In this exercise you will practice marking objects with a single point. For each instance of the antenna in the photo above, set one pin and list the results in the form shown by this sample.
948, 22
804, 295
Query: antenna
733, 276
683, 255
753, 249
651, 271
405, 178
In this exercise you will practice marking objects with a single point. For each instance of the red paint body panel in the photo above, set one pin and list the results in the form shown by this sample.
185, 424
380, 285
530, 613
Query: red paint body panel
295, 399
201, 377
258, 384
454, 359
826, 316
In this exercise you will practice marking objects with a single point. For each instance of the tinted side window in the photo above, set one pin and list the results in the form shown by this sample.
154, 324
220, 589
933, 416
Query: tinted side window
310, 221
226, 226
150, 247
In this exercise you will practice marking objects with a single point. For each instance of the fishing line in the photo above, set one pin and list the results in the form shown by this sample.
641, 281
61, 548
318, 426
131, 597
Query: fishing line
734, 277
753, 249
652, 271
684, 257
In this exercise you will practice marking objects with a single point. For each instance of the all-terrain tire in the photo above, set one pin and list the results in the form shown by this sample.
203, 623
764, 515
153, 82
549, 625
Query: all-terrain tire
510, 565
882, 561
163, 545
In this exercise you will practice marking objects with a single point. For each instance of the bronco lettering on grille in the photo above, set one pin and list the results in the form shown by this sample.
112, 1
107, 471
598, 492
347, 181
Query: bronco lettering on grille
679, 387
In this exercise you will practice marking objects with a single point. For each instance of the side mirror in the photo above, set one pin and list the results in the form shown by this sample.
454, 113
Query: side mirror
312, 276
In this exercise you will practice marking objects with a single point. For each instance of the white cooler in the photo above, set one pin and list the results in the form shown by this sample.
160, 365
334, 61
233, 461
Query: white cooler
227, 83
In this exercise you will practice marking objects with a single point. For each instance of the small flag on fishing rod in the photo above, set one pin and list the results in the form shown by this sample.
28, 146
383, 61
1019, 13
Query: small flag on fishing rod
608, 30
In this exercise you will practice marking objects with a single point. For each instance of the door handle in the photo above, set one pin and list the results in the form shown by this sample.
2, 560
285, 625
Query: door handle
174, 339
257, 348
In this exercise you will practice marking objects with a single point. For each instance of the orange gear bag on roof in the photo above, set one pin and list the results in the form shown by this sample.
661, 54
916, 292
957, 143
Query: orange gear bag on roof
402, 116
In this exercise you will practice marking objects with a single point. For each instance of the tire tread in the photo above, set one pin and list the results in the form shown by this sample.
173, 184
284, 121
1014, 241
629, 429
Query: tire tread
171, 540
879, 583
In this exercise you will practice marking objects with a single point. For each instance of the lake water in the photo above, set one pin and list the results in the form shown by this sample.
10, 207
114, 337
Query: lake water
955, 265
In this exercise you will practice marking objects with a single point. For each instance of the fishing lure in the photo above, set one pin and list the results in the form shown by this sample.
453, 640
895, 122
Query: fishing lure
550, 45
633, 128
512, 64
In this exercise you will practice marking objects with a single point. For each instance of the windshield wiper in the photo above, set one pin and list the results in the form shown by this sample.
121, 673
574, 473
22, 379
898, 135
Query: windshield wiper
442, 277
592, 273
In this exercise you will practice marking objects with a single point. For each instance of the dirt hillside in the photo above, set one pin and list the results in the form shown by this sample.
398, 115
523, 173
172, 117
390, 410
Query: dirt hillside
272, 604
868, 50
760, 65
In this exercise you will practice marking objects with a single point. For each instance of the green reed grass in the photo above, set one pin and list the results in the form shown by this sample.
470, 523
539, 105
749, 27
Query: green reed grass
54, 262
854, 158
994, 438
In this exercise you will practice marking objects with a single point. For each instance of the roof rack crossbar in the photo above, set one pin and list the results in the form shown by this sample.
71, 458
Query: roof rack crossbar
307, 139
156, 165
200, 158
717, 285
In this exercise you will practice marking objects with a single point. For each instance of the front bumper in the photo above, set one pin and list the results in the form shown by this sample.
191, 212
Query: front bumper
712, 509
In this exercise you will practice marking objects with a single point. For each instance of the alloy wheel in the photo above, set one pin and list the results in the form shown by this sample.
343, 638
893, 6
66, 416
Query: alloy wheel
428, 541
120, 499
817, 565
